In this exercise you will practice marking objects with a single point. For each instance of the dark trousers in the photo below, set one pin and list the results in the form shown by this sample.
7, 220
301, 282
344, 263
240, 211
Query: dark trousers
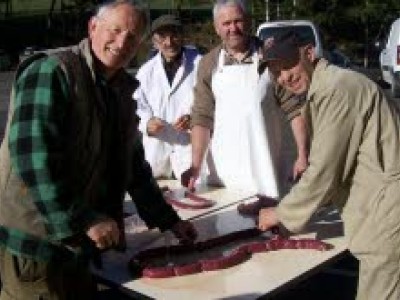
27, 279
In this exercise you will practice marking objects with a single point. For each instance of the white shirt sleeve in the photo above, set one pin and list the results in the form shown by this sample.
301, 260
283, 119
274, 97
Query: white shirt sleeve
144, 110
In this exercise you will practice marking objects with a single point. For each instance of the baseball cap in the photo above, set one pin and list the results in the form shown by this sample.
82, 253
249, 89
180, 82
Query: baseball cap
165, 21
284, 45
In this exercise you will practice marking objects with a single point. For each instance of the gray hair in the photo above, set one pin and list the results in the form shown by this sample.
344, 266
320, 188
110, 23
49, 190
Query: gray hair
223, 3
138, 5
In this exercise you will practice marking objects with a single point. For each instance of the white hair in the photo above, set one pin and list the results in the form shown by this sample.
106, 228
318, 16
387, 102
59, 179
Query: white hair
223, 3
105, 7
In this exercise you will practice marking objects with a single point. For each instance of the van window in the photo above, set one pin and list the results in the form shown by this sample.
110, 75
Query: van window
304, 31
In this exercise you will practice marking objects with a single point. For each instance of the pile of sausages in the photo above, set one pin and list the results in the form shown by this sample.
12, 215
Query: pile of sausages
140, 264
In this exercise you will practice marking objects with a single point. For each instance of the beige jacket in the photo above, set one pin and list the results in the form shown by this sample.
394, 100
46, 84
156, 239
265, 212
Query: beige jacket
354, 159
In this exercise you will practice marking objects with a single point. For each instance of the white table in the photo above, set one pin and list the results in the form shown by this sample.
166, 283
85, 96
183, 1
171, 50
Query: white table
138, 236
264, 273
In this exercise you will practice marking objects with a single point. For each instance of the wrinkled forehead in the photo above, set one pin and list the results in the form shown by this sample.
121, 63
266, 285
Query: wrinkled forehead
229, 11
123, 16
168, 29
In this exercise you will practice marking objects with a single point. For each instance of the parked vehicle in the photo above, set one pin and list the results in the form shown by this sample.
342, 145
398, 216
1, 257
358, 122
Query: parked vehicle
389, 59
308, 31
305, 29
338, 58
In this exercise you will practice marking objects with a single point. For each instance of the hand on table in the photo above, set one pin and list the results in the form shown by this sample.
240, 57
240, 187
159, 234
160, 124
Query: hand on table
189, 177
267, 218
184, 232
105, 234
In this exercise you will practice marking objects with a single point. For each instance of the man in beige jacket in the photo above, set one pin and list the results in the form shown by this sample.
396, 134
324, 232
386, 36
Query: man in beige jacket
354, 161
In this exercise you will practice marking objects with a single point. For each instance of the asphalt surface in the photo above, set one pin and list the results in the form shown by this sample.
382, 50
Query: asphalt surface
5, 86
337, 281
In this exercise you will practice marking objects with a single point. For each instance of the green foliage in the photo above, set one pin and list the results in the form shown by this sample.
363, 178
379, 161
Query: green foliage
354, 25
350, 24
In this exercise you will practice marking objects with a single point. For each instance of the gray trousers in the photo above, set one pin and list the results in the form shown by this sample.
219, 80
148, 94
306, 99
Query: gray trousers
27, 279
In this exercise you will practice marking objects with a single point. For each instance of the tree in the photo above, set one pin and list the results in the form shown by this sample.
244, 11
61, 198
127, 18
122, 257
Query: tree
350, 23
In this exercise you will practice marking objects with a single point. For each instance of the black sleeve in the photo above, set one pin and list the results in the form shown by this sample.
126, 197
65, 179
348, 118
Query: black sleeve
146, 194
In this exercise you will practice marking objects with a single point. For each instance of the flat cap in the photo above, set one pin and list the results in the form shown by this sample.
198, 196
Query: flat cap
165, 21
284, 45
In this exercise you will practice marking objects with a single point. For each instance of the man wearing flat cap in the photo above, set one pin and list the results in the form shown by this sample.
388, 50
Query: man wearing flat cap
354, 161
164, 99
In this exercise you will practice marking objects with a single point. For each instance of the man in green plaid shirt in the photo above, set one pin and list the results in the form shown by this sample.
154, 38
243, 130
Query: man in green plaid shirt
70, 152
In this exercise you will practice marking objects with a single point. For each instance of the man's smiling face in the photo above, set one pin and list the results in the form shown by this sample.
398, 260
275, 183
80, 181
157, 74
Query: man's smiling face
115, 36
294, 74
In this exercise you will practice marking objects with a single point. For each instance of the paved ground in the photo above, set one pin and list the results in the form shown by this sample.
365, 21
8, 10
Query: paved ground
5, 85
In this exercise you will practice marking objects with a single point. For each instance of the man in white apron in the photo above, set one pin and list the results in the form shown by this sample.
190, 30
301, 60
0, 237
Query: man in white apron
164, 99
232, 111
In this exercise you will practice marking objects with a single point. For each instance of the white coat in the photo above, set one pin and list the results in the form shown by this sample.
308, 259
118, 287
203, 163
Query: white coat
170, 151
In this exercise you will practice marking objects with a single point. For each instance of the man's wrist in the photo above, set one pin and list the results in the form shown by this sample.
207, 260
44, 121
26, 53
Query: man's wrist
195, 168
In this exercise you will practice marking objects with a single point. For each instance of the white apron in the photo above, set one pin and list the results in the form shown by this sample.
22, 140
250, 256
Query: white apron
240, 144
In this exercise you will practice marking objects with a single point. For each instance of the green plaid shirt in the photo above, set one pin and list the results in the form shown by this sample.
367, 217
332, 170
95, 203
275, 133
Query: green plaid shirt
39, 105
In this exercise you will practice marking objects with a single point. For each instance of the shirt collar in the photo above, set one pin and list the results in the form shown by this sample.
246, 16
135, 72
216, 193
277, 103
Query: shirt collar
85, 49
319, 68
247, 58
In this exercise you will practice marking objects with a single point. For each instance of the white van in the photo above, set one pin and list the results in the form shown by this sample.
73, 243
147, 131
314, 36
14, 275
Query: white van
390, 59
309, 31
304, 28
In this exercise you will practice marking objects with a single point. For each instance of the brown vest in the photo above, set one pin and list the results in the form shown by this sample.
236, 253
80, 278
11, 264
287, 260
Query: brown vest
87, 149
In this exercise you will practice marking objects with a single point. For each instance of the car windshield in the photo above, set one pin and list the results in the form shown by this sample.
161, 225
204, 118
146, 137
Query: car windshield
304, 31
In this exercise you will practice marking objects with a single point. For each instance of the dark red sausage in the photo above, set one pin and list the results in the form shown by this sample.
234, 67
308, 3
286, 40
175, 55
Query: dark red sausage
141, 262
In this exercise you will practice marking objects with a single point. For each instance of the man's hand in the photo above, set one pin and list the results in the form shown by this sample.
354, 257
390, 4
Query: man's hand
300, 165
267, 218
104, 234
183, 123
189, 177
184, 232
155, 126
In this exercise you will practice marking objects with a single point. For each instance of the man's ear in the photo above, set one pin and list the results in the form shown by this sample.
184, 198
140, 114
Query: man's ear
154, 42
92, 25
310, 53
216, 28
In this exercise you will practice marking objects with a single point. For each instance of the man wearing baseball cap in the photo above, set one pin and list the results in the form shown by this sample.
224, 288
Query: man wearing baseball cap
164, 98
354, 161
